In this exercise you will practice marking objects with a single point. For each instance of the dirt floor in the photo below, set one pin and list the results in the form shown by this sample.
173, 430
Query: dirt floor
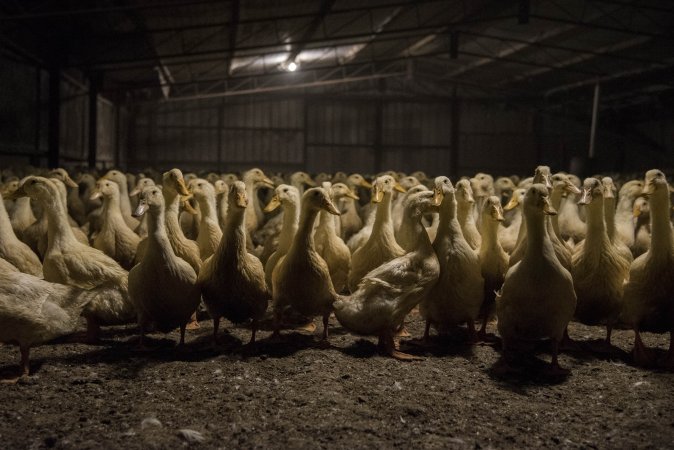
297, 394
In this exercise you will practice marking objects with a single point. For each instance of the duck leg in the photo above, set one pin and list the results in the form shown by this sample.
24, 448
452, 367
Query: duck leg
326, 319
472, 334
216, 326
388, 347
402, 331
93, 331
253, 332
183, 327
193, 324
555, 369
641, 354
24, 368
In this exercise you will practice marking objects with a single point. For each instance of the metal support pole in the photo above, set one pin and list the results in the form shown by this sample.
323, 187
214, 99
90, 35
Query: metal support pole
220, 128
379, 128
454, 130
54, 113
38, 112
593, 127
94, 87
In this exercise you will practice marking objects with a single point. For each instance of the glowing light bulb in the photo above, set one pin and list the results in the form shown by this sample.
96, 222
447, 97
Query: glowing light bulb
292, 66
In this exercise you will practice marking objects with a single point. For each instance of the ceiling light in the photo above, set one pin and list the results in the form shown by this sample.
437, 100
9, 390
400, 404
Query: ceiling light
292, 66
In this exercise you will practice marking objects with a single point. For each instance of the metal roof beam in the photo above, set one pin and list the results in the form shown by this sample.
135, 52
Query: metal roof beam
233, 30
297, 47
596, 26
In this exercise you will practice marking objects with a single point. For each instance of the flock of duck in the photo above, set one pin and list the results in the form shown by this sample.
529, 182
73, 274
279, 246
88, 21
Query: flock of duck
533, 254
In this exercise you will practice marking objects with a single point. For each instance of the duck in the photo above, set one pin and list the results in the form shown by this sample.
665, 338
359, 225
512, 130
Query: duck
510, 235
221, 196
68, 261
649, 292
13, 250
561, 185
300, 180
124, 200
359, 239
459, 293
610, 193
624, 223
350, 221
232, 280
465, 204
381, 246
301, 279
162, 286
598, 269
389, 292
34, 311
329, 245
642, 226
288, 197
493, 259
210, 233
503, 189
571, 226
174, 189
87, 184
482, 185
21, 216
115, 238
537, 299
397, 207
142, 183
254, 180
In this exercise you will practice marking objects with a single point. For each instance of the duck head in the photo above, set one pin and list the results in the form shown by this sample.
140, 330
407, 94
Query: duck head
151, 198
256, 176
86, 179
339, 177
504, 186
384, 184
141, 184
542, 176
562, 182
442, 187
418, 203
62, 174
173, 180
631, 189
221, 187
229, 178
464, 192
284, 194
354, 180
592, 189
212, 177
421, 176
237, 198
318, 198
408, 182
482, 185
201, 189
537, 200
9, 187
117, 176
492, 208
655, 183
299, 178
105, 188
341, 190
609, 187
321, 177
37, 188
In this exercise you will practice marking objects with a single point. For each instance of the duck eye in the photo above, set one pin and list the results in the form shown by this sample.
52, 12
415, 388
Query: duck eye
285, 190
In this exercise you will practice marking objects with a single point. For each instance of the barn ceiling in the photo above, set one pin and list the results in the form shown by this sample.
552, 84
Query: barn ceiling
550, 52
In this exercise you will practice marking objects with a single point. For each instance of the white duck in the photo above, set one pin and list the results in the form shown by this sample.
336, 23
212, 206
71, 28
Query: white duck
142, 183
537, 299
459, 292
301, 280
289, 198
381, 247
13, 250
124, 201
598, 269
162, 286
350, 221
389, 292
232, 280
510, 235
624, 224
464, 213
210, 233
254, 180
649, 293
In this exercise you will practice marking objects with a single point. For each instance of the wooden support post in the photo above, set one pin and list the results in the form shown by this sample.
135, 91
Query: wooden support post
379, 128
94, 87
54, 114
455, 118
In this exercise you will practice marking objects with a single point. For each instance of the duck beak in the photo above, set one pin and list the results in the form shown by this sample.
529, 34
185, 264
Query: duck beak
182, 187
365, 184
586, 198
188, 207
134, 192
649, 188
350, 194
377, 195
70, 183
636, 212
268, 182
512, 204
242, 200
310, 182
399, 188
438, 196
608, 193
273, 204
571, 188
18, 193
141, 208
548, 209
96, 194
548, 181
497, 214
469, 197
331, 208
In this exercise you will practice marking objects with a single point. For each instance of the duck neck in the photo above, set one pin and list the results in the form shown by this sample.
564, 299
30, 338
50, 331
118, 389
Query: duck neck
449, 224
464, 213
172, 215
124, 200
112, 213
536, 235
291, 217
489, 232
207, 209
304, 239
326, 221
661, 227
23, 210
383, 225
234, 237
6, 231
624, 208
58, 228
422, 241
157, 236
556, 201
609, 216
596, 226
